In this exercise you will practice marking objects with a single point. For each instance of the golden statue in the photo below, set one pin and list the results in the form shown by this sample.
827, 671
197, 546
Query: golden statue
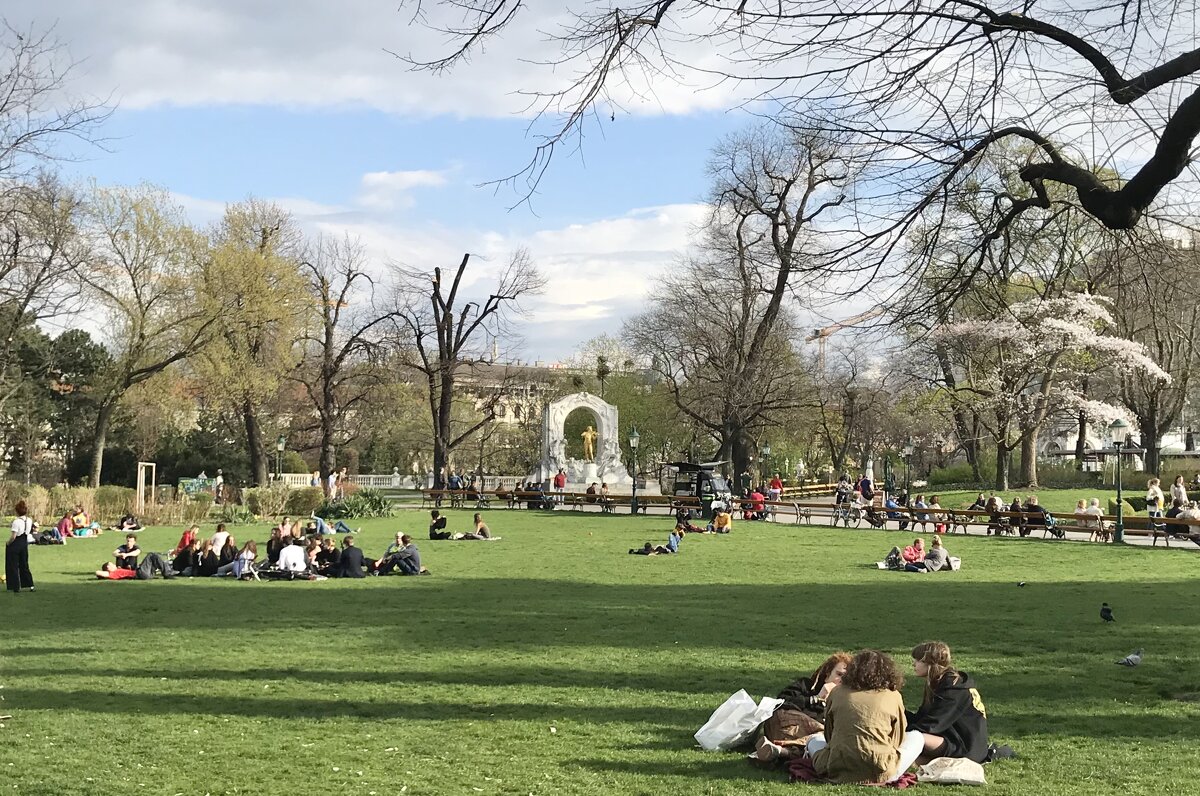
589, 443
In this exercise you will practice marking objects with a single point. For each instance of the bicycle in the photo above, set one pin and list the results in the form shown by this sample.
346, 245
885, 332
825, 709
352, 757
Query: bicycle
846, 513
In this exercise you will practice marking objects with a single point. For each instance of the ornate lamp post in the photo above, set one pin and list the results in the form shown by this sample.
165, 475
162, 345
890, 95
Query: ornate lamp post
634, 440
280, 444
1120, 434
765, 452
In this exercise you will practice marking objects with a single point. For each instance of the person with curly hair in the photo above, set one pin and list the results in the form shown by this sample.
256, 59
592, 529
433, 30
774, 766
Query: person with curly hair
952, 717
865, 739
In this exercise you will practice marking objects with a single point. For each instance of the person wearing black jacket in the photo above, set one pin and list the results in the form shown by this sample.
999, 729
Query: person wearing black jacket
952, 716
802, 712
351, 562
328, 558
1035, 516
437, 526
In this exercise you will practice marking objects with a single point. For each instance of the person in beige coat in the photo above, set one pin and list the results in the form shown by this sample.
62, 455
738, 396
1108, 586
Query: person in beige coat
865, 739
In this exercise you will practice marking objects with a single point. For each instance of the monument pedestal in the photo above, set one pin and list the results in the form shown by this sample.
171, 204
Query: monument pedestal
605, 467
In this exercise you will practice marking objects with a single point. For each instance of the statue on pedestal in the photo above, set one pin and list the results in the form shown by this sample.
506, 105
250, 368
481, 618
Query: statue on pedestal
589, 443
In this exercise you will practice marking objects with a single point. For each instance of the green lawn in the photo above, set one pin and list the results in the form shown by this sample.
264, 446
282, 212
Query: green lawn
1052, 499
554, 663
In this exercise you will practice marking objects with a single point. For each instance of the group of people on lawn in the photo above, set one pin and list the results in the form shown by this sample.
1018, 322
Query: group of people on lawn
290, 554
846, 723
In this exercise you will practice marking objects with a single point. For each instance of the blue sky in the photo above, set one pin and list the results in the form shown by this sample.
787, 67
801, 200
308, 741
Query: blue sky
299, 102
226, 152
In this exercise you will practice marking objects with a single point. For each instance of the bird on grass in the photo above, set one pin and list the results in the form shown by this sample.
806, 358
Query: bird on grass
1106, 613
1132, 659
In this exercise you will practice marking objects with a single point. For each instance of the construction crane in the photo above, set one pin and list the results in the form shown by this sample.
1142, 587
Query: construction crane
820, 335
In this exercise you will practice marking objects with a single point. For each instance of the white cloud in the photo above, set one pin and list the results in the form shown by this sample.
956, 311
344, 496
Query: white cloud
314, 53
384, 190
598, 273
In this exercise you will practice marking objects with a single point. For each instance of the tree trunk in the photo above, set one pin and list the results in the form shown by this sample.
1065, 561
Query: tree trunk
1150, 443
740, 451
99, 439
1081, 442
259, 469
1081, 436
1029, 456
1003, 457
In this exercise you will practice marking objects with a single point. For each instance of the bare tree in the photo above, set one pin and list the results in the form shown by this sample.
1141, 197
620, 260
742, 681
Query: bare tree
36, 109
39, 250
1150, 309
342, 351
923, 91
440, 329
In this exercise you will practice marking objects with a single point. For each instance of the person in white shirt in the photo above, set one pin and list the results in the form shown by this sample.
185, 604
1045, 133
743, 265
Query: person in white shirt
1179, 491
16, 551
292, 558
1154, 498
218, 487
1095, 523
218, 538
331, 492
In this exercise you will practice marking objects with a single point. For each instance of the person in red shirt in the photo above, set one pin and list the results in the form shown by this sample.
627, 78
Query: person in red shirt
560, 484
111, 571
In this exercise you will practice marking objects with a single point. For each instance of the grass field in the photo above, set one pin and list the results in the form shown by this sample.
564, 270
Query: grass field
554, 663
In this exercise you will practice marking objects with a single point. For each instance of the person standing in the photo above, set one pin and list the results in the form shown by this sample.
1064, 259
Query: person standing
16, 551
219, 487
1179, 491
331, 490
560, 484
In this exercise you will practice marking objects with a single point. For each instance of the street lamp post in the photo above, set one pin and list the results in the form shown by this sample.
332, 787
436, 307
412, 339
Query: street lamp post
280, 444
907, 451
1120, 431
634, 440
766, 460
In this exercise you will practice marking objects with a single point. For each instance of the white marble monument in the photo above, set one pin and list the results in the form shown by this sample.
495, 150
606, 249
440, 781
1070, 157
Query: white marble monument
605, 466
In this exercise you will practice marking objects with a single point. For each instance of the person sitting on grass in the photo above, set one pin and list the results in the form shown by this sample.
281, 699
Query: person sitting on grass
206, 563
185, 539
275, 544
151, 564
402, 555
351, 563
952, 718
128, 523
185, 562
866, 738
673, 540
328, 557
914, 553
242, 561
936, 559
437, 526
722, 521
292, 558
802, 713
228, 552
481, 533
127, 554
288, 528
65, 526
81, 523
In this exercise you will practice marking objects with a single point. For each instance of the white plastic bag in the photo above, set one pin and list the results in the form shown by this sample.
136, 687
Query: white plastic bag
733, 722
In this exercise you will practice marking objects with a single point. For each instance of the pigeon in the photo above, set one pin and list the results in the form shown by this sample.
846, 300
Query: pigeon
1132, 659
1021, 584
1106, 613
